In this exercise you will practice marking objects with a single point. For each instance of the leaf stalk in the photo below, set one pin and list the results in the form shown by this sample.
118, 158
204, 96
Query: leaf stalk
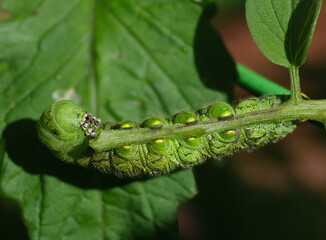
295, 85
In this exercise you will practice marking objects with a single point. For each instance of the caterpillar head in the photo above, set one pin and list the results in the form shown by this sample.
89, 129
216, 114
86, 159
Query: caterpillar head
60, 130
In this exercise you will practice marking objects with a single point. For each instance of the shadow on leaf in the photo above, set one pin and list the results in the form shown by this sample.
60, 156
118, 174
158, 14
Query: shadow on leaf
11, 224
215, 66
25, 149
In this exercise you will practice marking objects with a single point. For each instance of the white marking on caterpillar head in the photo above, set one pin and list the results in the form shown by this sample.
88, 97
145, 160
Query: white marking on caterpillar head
88, 132
89, 124
97, 121
85, 126
84, 118
92, 134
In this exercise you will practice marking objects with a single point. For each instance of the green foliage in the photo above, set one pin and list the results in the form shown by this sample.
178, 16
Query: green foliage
121, 60
283, 29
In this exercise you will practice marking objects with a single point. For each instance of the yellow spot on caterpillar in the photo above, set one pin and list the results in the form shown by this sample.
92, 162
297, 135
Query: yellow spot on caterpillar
304, 96
226, 114
156, 122
159, 141
190, 119
127, 147
191, 139
125, 125
230, 131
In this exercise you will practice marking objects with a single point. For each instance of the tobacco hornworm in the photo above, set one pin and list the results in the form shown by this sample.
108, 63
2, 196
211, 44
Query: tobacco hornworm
66, 129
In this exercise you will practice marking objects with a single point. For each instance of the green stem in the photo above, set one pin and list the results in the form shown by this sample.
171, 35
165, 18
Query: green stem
258, 84
311, 109
295, 85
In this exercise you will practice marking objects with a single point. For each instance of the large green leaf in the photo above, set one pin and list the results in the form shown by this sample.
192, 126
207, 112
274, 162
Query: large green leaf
283, 29
121, 60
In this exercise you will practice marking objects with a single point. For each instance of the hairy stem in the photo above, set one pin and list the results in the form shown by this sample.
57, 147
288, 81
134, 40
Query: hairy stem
311, 109
295, 85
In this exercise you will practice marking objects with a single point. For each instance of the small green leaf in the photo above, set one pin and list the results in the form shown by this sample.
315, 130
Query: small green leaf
283, 29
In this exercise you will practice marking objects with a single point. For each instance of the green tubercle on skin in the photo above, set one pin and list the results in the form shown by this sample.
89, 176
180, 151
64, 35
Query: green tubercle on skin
125, 125
59, 129
160, 145
128, 151
192, 142
228, 135
220, 110
185, 117
154, 122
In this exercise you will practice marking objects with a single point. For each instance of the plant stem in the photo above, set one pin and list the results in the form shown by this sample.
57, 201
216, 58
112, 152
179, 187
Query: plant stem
295, 85
308, 109
258, 84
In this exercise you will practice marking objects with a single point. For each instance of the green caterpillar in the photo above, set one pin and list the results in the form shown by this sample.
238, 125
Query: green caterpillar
67, 129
